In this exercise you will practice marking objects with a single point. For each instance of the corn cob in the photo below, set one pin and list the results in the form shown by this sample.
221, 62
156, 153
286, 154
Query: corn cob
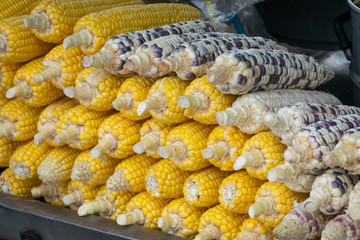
341, 227
224, 146
292, 177
248, 110
78, 193
254, 229
7, 148
111, 205
147, 57
165, 180
153, 136
93, 30
19, 44
133, 91
191, 59
180, 218
243, 71
95, 89
79, 126
117, 49
7, 74
143, 209
61, 67
10, 184
314, 140
270, 204
354, 203
56, 167
129, 174
301, 224
201, 188
27, 158
261, 153
202, 100
237, 191
46, 125
219, 223
52, 192
92, 171
33, 95
116, 137
52, 21
3, 99
290, 119
9, 8
184, 145
18, 121
345, 154
161, 101
330, 191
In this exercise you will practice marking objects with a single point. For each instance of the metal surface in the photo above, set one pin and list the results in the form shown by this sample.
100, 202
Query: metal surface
37, 220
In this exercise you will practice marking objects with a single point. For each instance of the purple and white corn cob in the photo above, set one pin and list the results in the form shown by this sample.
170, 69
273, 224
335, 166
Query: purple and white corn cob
117, 49
191, 59
346, 153
353, 209
148, 56
301, 224
238, 72
291, 119
313, 141
341, 227
330, 191
247, 112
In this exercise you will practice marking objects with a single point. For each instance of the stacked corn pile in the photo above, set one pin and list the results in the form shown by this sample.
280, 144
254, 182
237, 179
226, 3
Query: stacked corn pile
181, 127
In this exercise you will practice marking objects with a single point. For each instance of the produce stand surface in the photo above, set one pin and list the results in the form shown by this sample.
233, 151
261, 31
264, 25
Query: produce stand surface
36, 220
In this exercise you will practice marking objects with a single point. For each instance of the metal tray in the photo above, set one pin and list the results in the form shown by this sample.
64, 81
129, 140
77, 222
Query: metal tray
28, 219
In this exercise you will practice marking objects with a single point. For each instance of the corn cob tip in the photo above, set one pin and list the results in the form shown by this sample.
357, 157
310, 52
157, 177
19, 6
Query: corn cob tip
75, 198
95, 61
218, 76
39, 21
21, 170
20, 90
82, 38
69, 92
81, 171
135, 216
156, 101
253, 158
354, 211
122, 102
192, 101
6, 129
46, 74
335, 230
264, 205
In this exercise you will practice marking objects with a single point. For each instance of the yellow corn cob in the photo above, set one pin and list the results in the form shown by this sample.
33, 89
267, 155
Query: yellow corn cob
201, 189
202, 100
237, 191
111, 205
7, 74
184, 145
19, 44
161, 100
219, 223
95, 89
143, 209
18, 121
46, 124
261, 153
9, 183
7, 148
165, 180
117, 135
3, 99
52, 192
56, 167
254, 229
78, 193
9, 8
180, 218
92, 171
61, 67
273, 202
130, 174
153, 135
27, 158
33, 95
52, 21
133, 91
93, 30
79, 126
224, 146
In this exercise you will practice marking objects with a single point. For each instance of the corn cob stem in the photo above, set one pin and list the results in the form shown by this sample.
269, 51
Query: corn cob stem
39, 21
101, 205
264, 205
47, 73
156, 101
314, 202
169, 221
123, 102
193, 101
64, 136
23, 89
217, 151
45, 132
82, 38
135, 216
97, 60
149, 141
209, 233
85, 92
176, 150
232, 116
107, 143
48, 190
73, 198
6, 129
275, 121
253, 158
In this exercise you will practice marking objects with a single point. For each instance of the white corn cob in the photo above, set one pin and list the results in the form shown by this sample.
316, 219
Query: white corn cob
341, 227
353, 209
